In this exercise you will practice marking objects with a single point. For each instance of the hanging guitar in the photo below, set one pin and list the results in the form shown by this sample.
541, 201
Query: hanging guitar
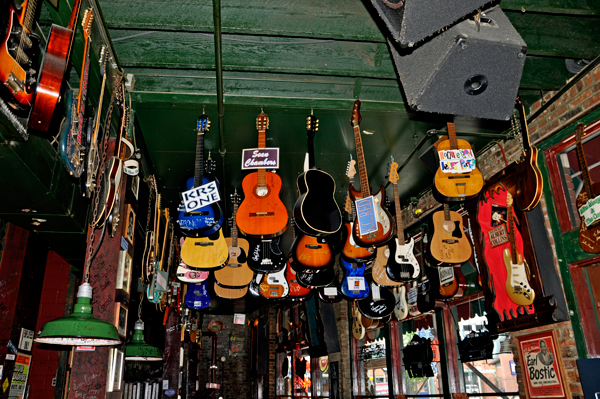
262, 214
187, 275
401, 308
332, 292
379, 303
149, 254
205, 253
588, 235
297, 291
354, 284
265, 256
197, 296
253, 287
457, 179
449, 244
452, 282
19, 52
316, 212
427, 290
310, 252
402, 264
274, 285
204, 220
358, 330
230, 293
529, 178
315, 277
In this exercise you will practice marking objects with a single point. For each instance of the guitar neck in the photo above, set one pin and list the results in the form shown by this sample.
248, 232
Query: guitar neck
234, 230
311, 150
447, 212
399, 224
29, 17
452, 136
199, 167
585, 173
262, 173
362, 168
83, 86
523, 123
511, 235
99, 112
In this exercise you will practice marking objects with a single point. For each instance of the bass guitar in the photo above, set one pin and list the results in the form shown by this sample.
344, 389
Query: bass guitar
265, 256
449, 244
19, 53
298, 292
457, 179
274, 285
380, 217
589, 236
517, 285
401, 308
316, 212
354, 284
379, 303
402, 264
204, 220
529, 178
197, 296
262, 214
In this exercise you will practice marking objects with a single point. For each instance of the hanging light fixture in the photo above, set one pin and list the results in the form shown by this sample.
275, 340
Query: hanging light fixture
139, 350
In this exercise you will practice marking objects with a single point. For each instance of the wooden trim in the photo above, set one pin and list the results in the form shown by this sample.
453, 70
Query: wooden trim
587, 309
452, 356
395, 348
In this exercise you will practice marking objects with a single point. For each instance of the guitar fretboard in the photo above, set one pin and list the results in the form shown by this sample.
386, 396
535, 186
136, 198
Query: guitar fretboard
362, 168
399, 224
585, 173
452, 136
29, 18
234, 230
447, 212
199, 166
511, 235
261, 178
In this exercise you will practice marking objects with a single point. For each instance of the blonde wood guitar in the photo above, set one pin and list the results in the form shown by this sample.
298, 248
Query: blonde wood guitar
379, 269
449, 244
358, 330
205, 252
230, 293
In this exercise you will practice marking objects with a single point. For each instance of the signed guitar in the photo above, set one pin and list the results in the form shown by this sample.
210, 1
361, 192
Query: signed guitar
457, 179
310, 252
589, 236
298, 292
354, 284
265, 256
379, 218
205, 219
449, 244
274, 285
316, 212
402, 264
19, 52
379, 270
261, 213
452, 282
204, 253
379, 304
315, 277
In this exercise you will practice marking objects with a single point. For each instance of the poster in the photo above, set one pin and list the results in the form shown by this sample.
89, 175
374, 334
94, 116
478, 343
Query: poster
20, 374
541, 364
236, 344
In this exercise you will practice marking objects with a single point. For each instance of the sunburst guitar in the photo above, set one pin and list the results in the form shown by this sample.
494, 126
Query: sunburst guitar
274, 285
297, 291
209, 252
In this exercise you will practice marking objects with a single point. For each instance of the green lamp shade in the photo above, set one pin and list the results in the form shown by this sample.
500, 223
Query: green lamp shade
80, 327
139, 350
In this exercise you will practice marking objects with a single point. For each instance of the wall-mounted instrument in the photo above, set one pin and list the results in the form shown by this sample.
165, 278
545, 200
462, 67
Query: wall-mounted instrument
449, 244
274, 285
379, 303
265, 256
588, 235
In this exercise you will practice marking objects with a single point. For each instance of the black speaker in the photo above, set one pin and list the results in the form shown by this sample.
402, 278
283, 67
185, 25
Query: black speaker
465, 70
415, 20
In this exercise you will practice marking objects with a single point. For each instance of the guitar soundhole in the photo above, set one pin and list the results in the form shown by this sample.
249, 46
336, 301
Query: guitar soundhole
261, 191
448, 226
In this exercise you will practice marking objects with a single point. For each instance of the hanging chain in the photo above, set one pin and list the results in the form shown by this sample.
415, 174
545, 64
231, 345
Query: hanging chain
141, 301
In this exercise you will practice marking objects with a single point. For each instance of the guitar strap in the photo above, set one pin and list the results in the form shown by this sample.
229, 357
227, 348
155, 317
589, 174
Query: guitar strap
130, 166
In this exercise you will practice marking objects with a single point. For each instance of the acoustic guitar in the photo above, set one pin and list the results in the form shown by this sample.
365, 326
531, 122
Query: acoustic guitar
261, 213
449, 244
230, 293
379, 269
309, 252
517, 281
316, 212
453, 283
236, 273
19, 52
380, 217
457, 179
274, 285
589, 236
205, 253
402, 264
354, 284
529, 178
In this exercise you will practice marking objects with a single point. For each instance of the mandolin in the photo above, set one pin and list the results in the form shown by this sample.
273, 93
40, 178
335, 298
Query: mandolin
588, 235
205, 219
204, 253
274, 285
358, 330
298, 292
316, 212
262, 214
457, 179
379, 303
19, 53
529, 178
402, 264
354, 284
449, 244
379, 218
401, 308
265, 256
517, 285
229, 293
236, 273
197, 296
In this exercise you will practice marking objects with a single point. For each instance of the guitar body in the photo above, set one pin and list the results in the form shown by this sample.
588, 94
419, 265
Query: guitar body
412, 297
311, 252
457, 187
385, 230
331, 293
109, 189
529, 182
236, 273
71, 152
265, 256
197, 296
315, 277
401, 308
517, 285
205, 252
427, 292
451, 287
254, 285
187, 275
589, 237
298, 292
358, 330
204, 221
377, 308
229, 293
379, 270
316, 212
353, 251
17, 72
274, 285
402, 264
262, 216
148, 256
449, 244
354, 284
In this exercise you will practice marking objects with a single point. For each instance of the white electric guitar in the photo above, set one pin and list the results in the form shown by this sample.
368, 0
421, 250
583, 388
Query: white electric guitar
401, 308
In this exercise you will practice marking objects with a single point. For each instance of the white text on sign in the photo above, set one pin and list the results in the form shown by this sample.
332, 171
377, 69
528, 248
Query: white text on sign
199, 197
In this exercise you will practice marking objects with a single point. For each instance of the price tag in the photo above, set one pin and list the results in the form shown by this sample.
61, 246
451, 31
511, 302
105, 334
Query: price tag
376, 293
199, 197
590, 212
365, 212
356, 283
330, 291
457, 161
446, 275
412, 295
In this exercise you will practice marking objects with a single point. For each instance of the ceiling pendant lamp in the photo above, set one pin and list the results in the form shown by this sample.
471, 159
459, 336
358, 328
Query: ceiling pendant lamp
139, 350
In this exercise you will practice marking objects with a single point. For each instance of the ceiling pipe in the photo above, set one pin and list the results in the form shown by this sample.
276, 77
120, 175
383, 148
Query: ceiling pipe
219, 68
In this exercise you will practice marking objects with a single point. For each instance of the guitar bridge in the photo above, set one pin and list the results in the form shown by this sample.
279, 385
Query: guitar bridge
266, 262
449, 241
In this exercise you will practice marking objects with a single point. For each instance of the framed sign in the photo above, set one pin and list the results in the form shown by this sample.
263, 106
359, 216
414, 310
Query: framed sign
121, 319
129, 225
124, 271
542, 366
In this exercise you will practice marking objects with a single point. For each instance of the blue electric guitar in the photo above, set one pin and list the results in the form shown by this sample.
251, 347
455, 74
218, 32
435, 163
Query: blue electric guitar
207, 219
197, 296
354, 284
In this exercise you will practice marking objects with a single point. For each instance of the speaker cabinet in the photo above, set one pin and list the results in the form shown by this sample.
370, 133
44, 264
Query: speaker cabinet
417, 19
465, 70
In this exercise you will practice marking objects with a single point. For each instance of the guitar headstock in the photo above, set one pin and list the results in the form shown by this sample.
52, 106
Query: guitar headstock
348, 204
312, 125
393, 178
210, 165
509, 199
235, 198
103, 57
86, 23
351, 169
262, 121
203, 124
356, 116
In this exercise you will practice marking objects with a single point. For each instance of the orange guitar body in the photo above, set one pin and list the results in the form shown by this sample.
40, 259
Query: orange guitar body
457, 186
312, 252
456, 287
385, 229
354, 252
262, 216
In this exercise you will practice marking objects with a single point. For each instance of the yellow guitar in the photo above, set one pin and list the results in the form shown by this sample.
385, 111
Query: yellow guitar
209, 252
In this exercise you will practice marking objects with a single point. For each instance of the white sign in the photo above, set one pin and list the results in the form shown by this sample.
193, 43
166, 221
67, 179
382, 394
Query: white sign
446, 275
199, 197
590, 212
330, 291
239, 318
457, 161
26, 339
365, 213
356, 283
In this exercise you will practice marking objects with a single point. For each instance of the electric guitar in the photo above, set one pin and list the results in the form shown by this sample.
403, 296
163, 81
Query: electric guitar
298, 292
529, 178
449, 244
380, 217
412, 296
316, 212
379, 303
588, 235
401, 308
207, 219
265, 256
204, 253
262, 214
358, 330
402, 264
197, 296
71, 140
354, 284
187, 275
274, 285
236, 273
426, 288
452, 282
19, 52
457, 179
517, 285
148, 257
315, 277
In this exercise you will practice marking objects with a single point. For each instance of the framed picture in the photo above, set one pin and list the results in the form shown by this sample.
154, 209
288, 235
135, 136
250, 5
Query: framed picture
114, 379
124, 272
135, 186
542, 366
129, 225
121, 319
